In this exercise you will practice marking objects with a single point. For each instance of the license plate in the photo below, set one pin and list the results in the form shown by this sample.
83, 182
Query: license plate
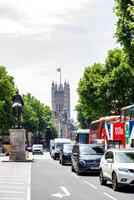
94, 167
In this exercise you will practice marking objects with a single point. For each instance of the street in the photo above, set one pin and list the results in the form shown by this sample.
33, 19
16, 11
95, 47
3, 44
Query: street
46, 179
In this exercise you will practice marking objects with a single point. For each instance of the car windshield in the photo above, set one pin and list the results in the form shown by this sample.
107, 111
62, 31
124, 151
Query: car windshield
68, 148
124, 157
60, 145
87, 150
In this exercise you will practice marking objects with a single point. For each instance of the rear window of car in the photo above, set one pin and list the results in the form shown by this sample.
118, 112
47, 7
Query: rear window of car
88, 150
68, 147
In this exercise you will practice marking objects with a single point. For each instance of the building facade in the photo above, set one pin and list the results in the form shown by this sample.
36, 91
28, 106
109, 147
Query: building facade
61, 108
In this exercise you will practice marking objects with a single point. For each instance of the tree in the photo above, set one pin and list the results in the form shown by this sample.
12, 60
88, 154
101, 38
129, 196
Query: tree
7, 90
124, 10
36, 116
105, 88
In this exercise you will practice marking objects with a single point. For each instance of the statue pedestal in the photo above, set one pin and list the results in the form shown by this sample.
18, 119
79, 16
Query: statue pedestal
17, 143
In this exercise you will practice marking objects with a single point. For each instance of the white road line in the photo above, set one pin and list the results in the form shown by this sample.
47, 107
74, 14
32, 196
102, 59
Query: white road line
14, 176
11, 182
29, 183
11, 187
13, 179
15, 192
74, 175
8, 198
65, 191
93, 186
109, 196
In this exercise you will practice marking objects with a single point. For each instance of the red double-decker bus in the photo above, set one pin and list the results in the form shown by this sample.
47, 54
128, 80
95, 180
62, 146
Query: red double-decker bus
99, 132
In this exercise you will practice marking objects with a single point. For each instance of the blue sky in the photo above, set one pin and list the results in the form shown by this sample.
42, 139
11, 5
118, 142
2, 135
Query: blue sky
37, 37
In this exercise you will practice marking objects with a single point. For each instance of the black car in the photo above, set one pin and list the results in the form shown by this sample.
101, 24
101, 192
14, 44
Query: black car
65, 154
86, 158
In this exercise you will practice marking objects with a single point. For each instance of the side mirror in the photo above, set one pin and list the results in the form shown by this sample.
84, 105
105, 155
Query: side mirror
110, 160
52, 147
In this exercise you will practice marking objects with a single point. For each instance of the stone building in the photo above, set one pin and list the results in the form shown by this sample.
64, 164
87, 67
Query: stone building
61, 108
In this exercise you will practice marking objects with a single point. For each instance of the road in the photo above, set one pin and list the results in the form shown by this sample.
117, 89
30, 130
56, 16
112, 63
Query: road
46, 179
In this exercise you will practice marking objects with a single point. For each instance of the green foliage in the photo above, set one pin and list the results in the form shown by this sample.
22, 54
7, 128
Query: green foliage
104, 89
7, 90
124, 10
36, 116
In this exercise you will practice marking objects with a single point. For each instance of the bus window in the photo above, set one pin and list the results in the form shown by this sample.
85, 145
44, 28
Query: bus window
128, 114
132, 113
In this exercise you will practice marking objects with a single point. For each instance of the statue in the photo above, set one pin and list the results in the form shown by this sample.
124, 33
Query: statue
17, 108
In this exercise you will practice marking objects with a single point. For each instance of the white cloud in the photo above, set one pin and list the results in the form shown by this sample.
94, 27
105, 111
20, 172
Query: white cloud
37, 36
32, 17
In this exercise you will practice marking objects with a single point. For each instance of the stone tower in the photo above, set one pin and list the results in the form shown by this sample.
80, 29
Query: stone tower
61, 99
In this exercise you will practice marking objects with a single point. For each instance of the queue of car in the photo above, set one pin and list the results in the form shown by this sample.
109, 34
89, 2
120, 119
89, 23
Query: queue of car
114, 165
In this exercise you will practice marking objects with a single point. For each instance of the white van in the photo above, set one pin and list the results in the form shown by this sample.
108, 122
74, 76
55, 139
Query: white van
58, 144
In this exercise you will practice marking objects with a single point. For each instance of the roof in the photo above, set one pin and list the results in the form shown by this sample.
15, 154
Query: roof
121, 150
124, 108
107, 118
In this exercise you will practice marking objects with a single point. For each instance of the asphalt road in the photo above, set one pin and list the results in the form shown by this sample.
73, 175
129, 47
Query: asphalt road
46, 179
50, 181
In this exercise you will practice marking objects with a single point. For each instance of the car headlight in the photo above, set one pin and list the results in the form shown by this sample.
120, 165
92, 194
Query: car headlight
123, 170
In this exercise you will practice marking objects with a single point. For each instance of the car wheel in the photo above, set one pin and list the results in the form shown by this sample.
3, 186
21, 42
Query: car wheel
102, 180
115, 184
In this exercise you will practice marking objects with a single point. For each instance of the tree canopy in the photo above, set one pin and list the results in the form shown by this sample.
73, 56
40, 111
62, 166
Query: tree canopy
7, 90
124, 10
36, 116
105, 88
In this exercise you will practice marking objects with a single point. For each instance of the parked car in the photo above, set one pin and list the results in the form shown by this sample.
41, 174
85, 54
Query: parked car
37, 149
86, 158
117, 166
58, 145
65, 154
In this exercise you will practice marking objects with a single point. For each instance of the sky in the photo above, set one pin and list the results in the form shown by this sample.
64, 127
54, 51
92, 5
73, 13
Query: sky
39, 36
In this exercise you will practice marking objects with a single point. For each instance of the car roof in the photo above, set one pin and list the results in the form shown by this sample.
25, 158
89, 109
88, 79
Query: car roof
68, 144
90, 145
120, 150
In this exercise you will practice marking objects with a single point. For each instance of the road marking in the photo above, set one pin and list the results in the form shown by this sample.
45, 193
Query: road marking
109, 196
8, 198
74, 175
59, 195
11, 182
29, 183
93, 186
13, 179
16, 192
11, 187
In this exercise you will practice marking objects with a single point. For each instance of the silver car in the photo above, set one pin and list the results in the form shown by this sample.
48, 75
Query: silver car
37, 149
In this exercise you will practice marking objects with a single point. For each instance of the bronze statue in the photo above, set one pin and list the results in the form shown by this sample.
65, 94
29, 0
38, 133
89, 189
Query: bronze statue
17, 108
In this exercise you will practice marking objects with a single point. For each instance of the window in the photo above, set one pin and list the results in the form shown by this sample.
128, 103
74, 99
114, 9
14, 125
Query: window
109, 155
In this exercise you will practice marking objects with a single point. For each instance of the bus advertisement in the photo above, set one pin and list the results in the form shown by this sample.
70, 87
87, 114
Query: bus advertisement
114, 131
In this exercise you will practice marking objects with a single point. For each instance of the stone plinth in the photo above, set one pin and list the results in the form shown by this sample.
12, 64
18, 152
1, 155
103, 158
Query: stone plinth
17, 143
